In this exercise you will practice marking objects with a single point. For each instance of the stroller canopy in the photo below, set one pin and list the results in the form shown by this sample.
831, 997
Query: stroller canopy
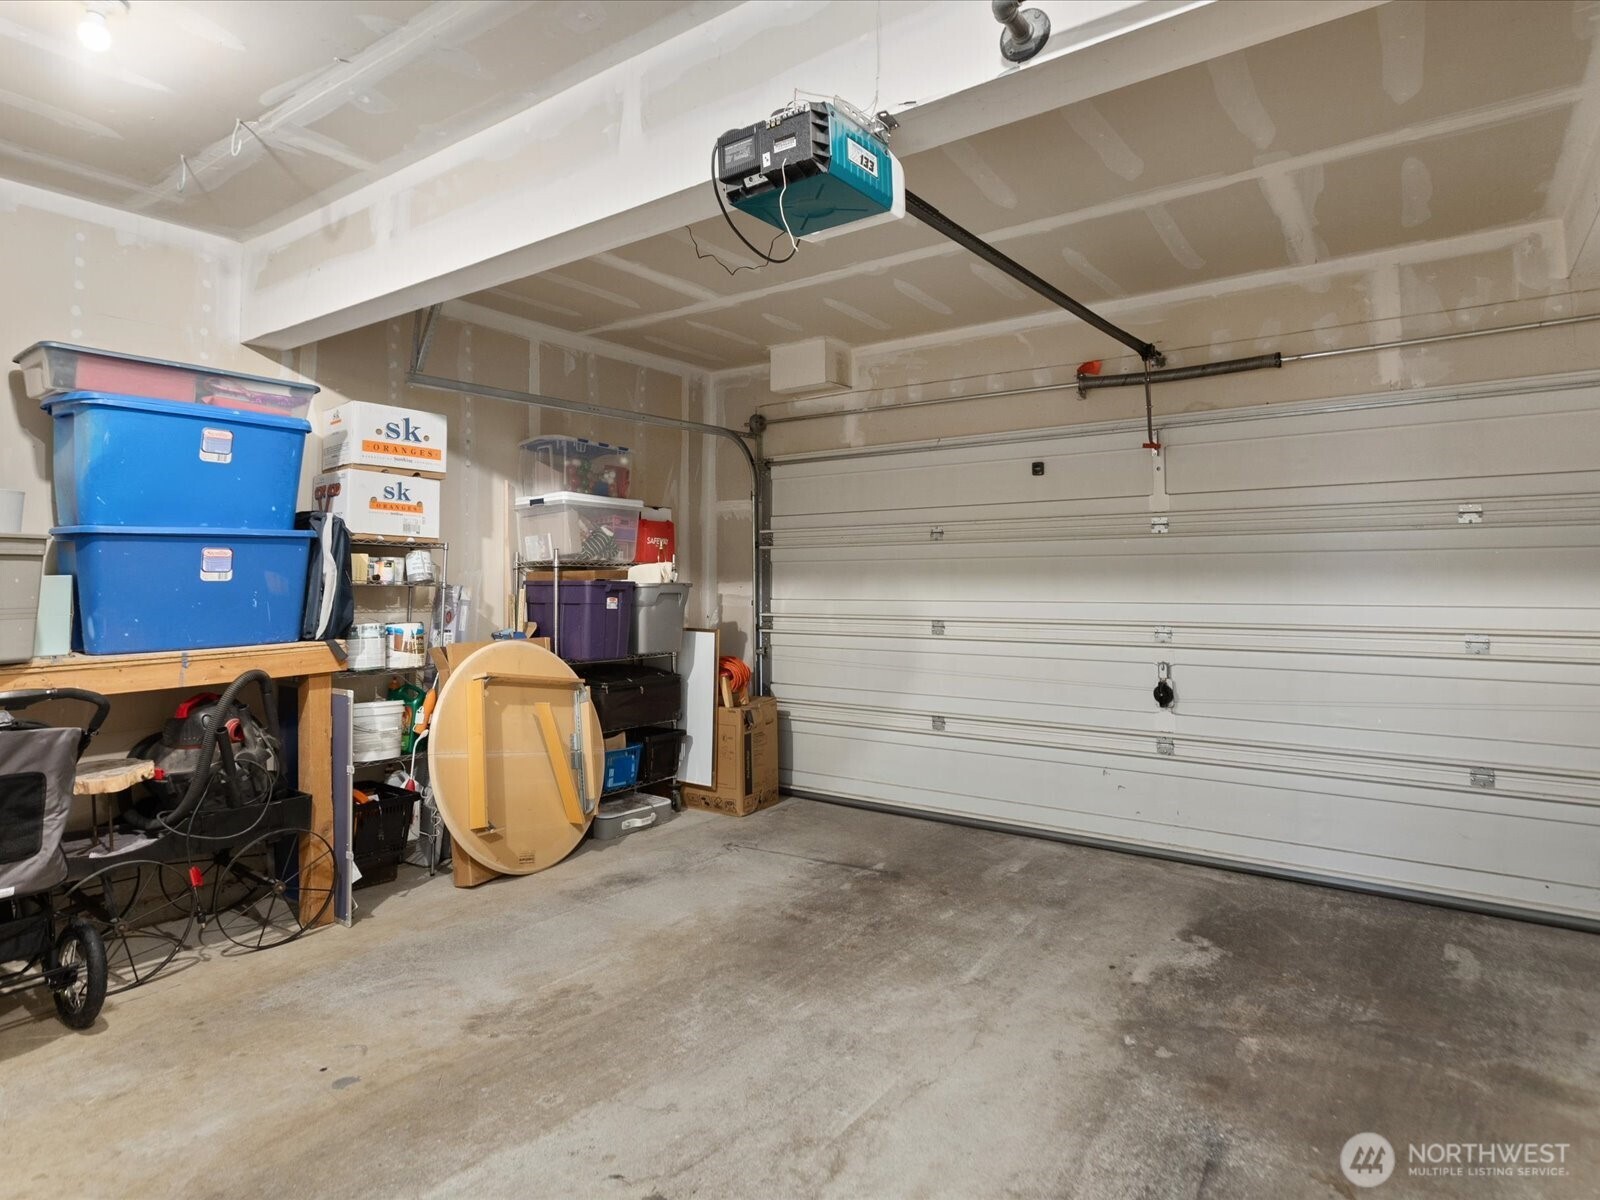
37, 765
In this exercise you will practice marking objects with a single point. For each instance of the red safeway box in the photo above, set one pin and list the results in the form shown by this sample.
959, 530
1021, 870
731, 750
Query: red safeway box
657, 538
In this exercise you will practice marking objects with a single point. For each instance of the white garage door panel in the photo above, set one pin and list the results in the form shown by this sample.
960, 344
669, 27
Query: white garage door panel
1466, 444
1362, 833
1077, 473
1480, 572
1368, 688
1373, 709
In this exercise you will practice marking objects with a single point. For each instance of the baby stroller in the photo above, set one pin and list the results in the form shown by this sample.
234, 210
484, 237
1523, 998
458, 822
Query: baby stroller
37, 764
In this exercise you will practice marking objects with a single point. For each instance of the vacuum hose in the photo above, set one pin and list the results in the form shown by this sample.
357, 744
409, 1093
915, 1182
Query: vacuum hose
200, 781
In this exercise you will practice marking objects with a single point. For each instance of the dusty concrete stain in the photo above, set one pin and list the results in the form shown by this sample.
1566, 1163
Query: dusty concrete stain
683, 1015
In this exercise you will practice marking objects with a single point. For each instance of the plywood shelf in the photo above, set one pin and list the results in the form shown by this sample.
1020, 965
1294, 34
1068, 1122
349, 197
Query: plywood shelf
121, 674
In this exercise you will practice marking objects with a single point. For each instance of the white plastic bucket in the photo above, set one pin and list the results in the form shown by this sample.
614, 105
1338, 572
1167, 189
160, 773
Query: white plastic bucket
375, 727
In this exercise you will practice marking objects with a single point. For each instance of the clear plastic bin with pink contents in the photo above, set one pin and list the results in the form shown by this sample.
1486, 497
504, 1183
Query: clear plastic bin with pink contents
52, 368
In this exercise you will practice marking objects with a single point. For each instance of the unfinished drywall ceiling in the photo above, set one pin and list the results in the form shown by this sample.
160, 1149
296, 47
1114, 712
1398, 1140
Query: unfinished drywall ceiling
1408, 123
332, 93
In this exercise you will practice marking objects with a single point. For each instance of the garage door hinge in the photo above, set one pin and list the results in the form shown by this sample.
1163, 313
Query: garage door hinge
1163, 634
938, 629
1469, 514
1477, 643
938, 724
1481, 777
936, 534
1158, 525
1165, 746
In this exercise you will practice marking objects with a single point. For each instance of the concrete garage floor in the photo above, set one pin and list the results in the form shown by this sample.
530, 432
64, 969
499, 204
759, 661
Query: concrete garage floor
819, 1001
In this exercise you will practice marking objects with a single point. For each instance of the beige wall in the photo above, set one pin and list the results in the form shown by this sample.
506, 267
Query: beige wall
78, 272
84, 273
484, 463
71, 271
1423, 291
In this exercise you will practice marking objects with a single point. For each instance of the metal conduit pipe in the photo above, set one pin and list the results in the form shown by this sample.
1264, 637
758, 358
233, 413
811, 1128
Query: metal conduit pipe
1089, 383
1137, 377
757, 515
1552, 323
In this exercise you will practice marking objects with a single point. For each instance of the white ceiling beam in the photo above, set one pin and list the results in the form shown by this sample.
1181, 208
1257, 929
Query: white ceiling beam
1545, 232
468, 313
1296, 225
623, 154
660, 278
1574, 193
446, 22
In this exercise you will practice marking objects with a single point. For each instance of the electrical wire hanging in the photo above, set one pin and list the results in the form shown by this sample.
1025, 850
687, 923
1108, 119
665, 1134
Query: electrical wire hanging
765, 257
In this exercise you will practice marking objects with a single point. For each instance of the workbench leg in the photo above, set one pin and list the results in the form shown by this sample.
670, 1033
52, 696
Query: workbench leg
316, 777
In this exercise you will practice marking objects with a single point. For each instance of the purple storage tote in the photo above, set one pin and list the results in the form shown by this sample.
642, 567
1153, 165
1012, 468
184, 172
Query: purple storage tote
596, 617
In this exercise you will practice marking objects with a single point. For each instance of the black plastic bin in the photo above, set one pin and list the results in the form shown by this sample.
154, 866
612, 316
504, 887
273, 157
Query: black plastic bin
378, 839
628, 696
660, 760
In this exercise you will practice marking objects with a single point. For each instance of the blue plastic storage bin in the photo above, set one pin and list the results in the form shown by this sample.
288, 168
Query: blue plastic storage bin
130, 462
622, 767
184, 589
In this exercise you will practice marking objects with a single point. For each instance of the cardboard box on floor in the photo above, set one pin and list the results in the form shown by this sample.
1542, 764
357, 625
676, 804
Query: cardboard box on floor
745, 772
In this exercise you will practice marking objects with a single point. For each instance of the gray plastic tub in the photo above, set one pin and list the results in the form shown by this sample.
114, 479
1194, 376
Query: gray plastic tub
658, 610
21, 565
619, 816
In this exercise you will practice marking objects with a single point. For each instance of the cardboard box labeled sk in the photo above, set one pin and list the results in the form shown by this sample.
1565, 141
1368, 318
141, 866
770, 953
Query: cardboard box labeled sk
745, 771
379, 435
376, 502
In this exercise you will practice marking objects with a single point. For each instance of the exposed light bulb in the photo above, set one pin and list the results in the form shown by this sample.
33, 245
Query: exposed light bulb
94, 32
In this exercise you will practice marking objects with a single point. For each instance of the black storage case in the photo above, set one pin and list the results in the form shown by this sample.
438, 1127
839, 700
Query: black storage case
660, 759
378, 839
628, 696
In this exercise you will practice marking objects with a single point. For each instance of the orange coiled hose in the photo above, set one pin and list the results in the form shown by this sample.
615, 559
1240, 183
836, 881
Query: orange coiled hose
735, 672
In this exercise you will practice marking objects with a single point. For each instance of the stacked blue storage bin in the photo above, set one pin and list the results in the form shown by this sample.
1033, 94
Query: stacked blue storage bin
177, 522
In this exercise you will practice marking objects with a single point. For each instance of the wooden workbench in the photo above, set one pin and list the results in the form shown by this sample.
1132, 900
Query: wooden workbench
312, 663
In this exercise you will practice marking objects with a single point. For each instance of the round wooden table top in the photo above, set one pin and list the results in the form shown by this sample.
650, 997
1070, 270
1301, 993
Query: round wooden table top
498, 790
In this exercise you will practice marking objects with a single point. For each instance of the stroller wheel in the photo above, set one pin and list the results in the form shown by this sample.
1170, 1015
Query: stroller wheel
78, 1001
142, 910
272, 889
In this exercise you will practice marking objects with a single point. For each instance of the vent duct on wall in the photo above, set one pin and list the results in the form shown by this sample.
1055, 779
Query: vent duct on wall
814, 367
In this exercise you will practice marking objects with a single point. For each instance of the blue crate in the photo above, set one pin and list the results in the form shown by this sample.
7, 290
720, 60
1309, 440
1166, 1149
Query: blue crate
622, 767
131, 462
184, 589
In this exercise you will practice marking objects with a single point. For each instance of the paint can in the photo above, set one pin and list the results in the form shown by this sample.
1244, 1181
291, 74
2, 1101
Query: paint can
368, 647
384, 570
407, 643
419, 567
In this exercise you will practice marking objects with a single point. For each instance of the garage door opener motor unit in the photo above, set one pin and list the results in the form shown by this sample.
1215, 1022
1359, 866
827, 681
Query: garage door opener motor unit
811, 169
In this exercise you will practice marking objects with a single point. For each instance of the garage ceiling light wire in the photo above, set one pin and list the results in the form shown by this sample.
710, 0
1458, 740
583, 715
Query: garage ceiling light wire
766, 258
